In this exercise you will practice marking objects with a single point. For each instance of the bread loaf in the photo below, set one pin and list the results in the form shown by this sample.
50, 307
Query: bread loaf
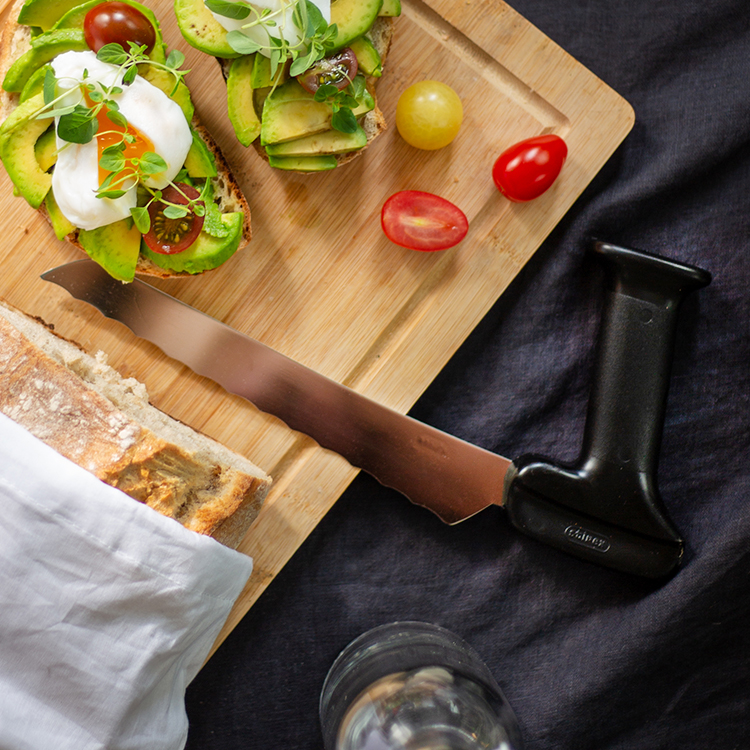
80, 406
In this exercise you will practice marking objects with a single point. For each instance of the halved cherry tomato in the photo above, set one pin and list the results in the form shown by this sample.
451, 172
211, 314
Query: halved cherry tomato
338, 70
528, 168
423, 221
169, 236
118, 23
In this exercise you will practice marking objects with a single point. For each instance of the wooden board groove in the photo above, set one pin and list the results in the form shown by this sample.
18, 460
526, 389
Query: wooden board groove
319, 281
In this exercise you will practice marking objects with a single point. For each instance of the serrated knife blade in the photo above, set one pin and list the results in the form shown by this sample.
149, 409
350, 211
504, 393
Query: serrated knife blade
450, 477
605, 508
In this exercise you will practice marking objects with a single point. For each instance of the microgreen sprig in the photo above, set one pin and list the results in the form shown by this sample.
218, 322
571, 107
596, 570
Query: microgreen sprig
342, 102
317, 36
197, 206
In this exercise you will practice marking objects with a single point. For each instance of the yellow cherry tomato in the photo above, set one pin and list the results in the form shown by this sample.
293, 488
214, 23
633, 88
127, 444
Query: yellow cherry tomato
429, 115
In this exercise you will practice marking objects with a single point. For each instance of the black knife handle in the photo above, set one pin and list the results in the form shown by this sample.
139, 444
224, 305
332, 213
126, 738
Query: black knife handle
606, 507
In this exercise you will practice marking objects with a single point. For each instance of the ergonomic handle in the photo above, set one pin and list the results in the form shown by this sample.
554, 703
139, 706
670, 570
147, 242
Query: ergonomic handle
606, 508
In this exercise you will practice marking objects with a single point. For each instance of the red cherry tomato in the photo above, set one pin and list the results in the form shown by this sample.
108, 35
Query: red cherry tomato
527, 169
169, 236
423, 221
338, 70
117, 23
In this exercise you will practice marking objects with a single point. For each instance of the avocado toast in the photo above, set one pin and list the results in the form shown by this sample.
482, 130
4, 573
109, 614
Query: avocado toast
272, 105
196, 227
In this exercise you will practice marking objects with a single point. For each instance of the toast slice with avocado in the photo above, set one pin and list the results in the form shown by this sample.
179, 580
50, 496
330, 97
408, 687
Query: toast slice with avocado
305, 100
166, 231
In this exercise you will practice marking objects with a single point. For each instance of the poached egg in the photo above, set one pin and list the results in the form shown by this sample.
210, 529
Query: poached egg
282, 12
157, 122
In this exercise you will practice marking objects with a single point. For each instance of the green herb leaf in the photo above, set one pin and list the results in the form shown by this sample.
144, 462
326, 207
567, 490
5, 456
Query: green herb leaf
227, 9
242, 44
50, 84
58, 112
316, 24
141, 218
344, 121
117, 118
300, 65
175, 59
151, 163
324, 92
345, 100
175, 212
112, 162
130, 75
77, 127
112, 53
357, 87
113, 194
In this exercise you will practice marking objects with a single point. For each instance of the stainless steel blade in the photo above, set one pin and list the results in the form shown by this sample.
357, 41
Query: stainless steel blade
449, 476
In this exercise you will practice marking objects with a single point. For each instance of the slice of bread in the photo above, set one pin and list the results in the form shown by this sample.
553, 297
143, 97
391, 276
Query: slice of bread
16, 40
83, 408
373, 122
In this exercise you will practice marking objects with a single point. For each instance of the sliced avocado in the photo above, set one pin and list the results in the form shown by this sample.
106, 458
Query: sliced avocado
206, 252
60, 225
390, 8
18, 136
240, 100
74, 19
43, 49
368, 57
327, 142
164, 80
201, 30
291, 112
352, 18
259, 99
318, 163
45, 13
45, 149
35, 84
115, 247
200, 162
261, 76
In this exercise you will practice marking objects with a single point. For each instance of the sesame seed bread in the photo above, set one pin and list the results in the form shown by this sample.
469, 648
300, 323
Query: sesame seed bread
83, 408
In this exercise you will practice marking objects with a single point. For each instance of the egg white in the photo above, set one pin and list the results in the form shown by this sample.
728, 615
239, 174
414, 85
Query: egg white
285, 22
147, 108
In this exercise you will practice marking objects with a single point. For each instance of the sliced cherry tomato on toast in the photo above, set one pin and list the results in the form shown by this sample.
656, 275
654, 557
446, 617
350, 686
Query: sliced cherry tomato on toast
423, 221
169, 236
337, 70
117, 23
528, 168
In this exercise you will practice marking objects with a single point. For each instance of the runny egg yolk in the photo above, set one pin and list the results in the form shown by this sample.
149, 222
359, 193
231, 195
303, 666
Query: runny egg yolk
110, 134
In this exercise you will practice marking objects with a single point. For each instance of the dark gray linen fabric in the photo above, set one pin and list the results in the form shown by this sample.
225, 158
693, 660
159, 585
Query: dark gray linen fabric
589, 658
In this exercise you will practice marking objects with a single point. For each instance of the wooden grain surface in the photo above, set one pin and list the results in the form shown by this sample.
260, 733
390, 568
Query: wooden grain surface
319, 281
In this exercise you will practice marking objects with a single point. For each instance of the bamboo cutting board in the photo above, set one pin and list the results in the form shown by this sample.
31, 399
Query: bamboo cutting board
319, 281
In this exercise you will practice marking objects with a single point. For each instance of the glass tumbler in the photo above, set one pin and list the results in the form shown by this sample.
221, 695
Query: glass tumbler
414, 686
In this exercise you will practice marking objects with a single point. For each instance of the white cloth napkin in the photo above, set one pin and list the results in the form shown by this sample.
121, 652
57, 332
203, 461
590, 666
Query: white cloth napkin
107, 609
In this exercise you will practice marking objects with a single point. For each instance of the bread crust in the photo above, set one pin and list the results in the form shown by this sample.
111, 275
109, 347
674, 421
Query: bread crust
64, 396
16, 40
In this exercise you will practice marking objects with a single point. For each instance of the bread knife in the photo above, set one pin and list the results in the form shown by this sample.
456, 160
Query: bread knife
605, 508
